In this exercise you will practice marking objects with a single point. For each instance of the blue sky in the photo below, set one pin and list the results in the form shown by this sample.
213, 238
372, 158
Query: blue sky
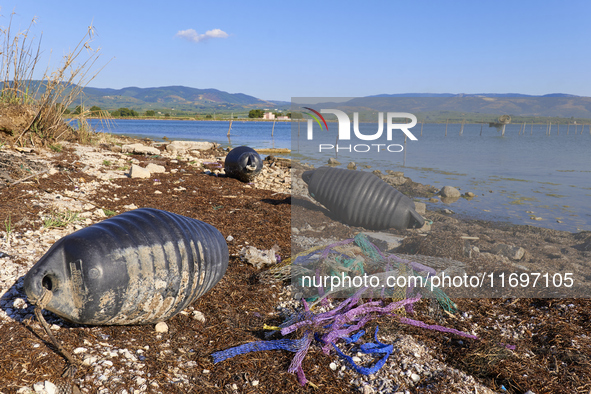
279, 50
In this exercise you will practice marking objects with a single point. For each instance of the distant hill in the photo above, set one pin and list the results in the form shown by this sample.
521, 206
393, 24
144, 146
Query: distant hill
178, 97
473, 107
471, 95
429, 106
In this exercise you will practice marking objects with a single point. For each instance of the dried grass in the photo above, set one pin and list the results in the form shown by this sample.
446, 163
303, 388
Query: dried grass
44, 102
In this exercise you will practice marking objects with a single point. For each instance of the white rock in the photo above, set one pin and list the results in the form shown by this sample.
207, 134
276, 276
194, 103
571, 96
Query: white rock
45, 387
138, 172
155, 168
420, 207
139, 380
161, 327
25, 390
450, 191
79, 350
39, 387
157, 192
141, 149
206, 371
199, 316
512, 252
367, 389
183, 146
415, 378
229, 238
234, 386
89, 360
333, 366
255, 383
99, 213
19, 303
356, 360
54, 327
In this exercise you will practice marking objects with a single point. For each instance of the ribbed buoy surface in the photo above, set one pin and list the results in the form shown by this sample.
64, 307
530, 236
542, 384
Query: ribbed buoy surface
361, 199
243, 163
139, 267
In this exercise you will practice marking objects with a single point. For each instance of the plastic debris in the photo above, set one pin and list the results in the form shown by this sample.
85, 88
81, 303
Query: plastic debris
140, 267
344, 322
260, 258
243, 163
362, 199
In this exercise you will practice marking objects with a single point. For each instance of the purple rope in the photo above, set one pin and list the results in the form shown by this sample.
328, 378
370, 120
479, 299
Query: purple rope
296, 362
435, 327
326, 251
331, 338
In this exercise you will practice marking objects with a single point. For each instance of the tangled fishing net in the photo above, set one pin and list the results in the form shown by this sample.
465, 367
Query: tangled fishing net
344, 322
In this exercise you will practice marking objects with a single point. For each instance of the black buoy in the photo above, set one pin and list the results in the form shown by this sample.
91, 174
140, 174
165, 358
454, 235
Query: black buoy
243, 163
362, 199
139, 267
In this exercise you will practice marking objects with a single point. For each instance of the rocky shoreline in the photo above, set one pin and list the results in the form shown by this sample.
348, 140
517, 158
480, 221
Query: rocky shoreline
81, 185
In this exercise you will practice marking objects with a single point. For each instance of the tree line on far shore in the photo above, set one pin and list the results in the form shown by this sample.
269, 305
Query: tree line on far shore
130, 113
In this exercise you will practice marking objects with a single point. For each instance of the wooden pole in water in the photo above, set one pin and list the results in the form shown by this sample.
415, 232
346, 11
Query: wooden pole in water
567, 128
481, 129
446, 120
531, 131
404, 162
503, 131
273, 130
558, 128
549, 128
462, 128
421, 128
231, 119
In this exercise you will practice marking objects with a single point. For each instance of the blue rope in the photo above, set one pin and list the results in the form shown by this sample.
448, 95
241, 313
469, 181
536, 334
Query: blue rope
291, 345
367, 348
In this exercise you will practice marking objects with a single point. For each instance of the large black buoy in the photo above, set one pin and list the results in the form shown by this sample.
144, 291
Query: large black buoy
243, 163
139, 267
361, 199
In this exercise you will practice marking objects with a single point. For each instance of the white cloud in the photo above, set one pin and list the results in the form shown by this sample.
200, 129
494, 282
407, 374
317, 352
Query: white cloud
192, 35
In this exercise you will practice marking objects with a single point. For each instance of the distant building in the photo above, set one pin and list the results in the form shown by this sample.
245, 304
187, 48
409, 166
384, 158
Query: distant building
283, 117
269, 116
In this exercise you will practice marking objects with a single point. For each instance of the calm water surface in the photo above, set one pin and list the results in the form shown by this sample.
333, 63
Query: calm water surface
515, 177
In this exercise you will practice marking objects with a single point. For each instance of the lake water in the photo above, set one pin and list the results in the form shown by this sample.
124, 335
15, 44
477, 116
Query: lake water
515, 177
256, 134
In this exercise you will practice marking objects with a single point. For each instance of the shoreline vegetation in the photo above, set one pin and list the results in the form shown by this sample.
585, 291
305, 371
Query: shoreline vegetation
538, 121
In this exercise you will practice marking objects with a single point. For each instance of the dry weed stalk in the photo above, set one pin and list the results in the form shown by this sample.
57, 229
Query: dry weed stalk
50, 97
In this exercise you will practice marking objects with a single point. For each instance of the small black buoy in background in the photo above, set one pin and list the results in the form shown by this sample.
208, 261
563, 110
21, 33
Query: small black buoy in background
362, 199
142, 266
243, 163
